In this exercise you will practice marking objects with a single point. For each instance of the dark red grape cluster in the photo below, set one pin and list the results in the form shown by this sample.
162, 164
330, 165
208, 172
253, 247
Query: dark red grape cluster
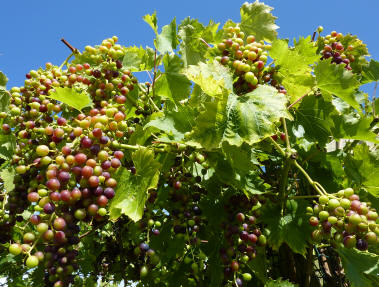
342, 218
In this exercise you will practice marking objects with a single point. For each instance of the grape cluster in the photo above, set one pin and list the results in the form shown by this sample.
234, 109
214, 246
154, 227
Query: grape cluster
65, 161
343, 218
242, 237
246, 58
334, 48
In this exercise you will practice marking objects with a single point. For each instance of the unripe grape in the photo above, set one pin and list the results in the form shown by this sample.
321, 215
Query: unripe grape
349, 241
29, 237
345, 203
323, 215
32, 261
42, 150
333, 203
15, 249
80, 214
323, 199
42, 227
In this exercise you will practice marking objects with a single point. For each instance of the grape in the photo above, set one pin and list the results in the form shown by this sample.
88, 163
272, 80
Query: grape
59, 223
15, 249
362, 244
32, 261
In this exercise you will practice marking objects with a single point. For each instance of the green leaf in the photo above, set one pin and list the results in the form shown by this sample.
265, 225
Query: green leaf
293, 228
211, 123
132, 190
213, 78
172, 84
71, 97
138, 59
7, 146
320, 120
362, 167
3, 80
279, 283
174, 123
294, 65
4, 100
7, 175
191, 32
257, 20
252, 117
167, 41
240, 119
228, 171
371, 72
353, 126
361, 268
333, 79
152, 21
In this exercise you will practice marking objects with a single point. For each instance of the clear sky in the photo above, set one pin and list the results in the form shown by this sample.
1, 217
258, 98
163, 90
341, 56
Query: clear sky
31, 30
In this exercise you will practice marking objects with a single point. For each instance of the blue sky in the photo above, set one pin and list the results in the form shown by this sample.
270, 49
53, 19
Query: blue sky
31, 30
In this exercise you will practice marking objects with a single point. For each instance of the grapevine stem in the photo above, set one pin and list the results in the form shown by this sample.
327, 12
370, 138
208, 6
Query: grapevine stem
66, 61
154, 105
302, 196
202, 40
286, 132
155, 72
133, 147
73, 50
298, 100
314, 184
373, 98
311, 182
125, 146
278, 147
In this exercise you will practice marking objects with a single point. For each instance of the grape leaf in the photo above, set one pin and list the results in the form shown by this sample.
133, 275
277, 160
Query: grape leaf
361, 268
191, 32
152, 21
7, 146
321, 120
71, 97
139, 59
4, 100
362, 167
7, 175
353, 126
257, 20
172, 84
237, 119
3, 80
4, 94
252, 117
279, 283
294, 65
131, 191
370, 72
333, 79
211, 123
174, 123
244, 179
167, 41
292, 228
213, 78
